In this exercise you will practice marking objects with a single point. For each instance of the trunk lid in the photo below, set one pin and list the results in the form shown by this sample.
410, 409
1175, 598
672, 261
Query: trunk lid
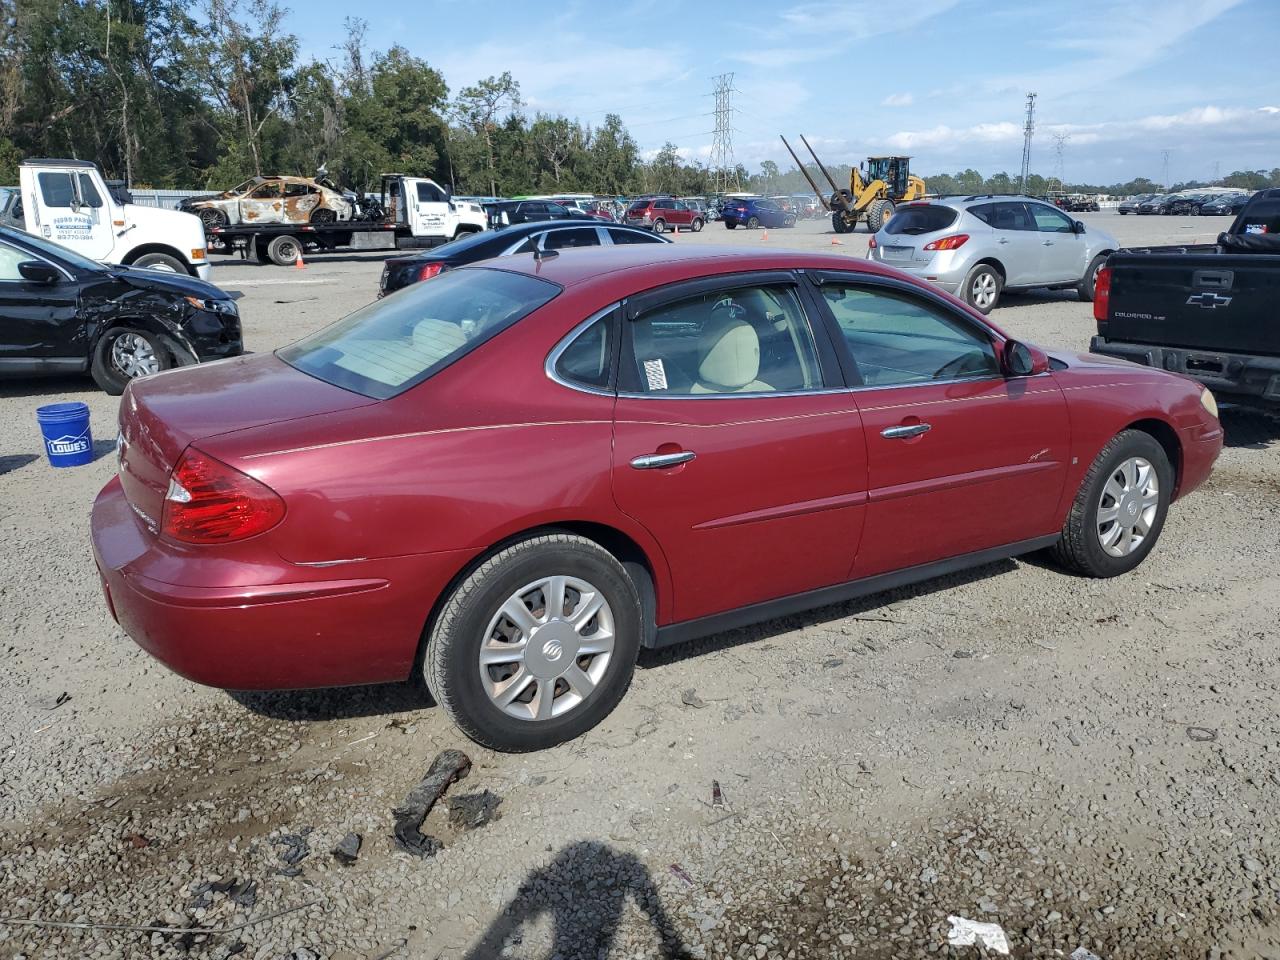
161, 415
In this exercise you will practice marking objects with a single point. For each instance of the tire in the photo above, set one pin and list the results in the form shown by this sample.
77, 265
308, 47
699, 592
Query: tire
659, 226
730, 225
838, 224
753, 223
110, 370
696, 225
323, 215
878, 213
284, 250
210, 218
1086, 286
162, 262
472, 615
1081, 548
982, 287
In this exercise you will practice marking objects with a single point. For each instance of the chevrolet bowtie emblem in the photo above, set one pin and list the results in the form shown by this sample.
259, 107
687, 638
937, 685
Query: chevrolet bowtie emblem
1208, 300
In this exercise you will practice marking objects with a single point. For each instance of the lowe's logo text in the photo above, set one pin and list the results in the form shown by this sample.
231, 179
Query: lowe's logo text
68, 445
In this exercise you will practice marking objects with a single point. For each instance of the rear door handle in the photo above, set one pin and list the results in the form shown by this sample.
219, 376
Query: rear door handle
904, 432
1047, 243
1003, 240
657, 461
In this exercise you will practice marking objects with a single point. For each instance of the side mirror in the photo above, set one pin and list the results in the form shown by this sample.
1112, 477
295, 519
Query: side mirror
37, 271
1023, 360
1078, 226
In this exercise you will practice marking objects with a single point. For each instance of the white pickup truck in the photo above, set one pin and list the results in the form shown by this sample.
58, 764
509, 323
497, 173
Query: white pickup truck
68, 202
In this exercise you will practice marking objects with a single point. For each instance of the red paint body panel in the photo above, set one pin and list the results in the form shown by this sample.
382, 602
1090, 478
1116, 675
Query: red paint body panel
387, 502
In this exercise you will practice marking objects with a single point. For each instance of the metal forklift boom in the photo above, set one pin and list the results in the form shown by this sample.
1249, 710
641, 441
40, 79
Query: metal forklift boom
817, 192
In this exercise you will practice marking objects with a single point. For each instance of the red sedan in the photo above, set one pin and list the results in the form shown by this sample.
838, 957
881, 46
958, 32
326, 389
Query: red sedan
514, 476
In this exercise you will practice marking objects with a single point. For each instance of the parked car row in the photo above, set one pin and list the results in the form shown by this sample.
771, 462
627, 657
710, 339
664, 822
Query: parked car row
1185, 204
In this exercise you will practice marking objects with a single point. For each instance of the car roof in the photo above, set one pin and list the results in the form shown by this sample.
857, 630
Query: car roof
636, 267
53, 162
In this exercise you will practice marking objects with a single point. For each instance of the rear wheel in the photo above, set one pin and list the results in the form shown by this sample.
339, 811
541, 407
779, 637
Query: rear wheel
878, 214
753, 223
730, 225
659, 225
284, 251
125, 353
981, 288
1120, 508
537, 645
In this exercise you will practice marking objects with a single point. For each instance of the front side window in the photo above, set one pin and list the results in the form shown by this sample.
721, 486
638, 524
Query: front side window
10, 257
429, 193
56, 190
897, 341
393, 344
298, 189
588, 360
754, 339
1049, 220
88, 192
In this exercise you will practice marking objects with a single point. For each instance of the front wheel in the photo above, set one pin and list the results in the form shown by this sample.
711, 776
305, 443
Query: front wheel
124, 354
537, 645
1119, 511
696, 225
160, 261
1089, 283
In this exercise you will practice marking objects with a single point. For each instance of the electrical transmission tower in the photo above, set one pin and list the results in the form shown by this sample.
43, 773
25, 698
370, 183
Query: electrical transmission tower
1164, 170
723, 169
1027, 131
1059, 166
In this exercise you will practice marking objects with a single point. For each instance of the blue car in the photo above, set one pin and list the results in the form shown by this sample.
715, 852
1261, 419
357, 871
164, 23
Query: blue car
752, 213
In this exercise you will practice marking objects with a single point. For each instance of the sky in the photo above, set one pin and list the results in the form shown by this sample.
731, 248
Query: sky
944, 81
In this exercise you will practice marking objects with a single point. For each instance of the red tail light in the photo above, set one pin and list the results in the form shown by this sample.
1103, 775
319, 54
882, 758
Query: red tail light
1102, 297
430, 270
871, 244
948, 243
210, 502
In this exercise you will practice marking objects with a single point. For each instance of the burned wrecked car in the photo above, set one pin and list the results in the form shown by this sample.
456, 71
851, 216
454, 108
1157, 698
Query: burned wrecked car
272, 200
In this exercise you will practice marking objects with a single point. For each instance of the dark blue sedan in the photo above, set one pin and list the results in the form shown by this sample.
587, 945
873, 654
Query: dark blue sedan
753, 212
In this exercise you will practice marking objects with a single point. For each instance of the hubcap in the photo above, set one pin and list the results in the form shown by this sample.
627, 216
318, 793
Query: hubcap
984, 290
1127, 507
547, 648
132, 356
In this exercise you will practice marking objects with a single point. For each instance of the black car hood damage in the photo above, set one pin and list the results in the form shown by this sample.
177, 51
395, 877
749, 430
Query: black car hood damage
174, 283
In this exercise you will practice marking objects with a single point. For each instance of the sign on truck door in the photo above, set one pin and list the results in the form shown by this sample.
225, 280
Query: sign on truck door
70, 211
430, 209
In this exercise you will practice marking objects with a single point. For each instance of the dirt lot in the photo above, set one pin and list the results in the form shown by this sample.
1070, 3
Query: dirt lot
1088, 764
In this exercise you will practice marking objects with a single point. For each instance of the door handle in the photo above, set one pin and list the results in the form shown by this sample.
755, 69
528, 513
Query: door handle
1047, 243
1003, 240
906, 431
657, 461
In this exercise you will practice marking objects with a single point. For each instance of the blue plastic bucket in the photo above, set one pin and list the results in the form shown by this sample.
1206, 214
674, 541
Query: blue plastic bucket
67, 439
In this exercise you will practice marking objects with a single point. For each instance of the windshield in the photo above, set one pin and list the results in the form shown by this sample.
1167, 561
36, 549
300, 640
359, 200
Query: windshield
59, 252
393, 344
914, 220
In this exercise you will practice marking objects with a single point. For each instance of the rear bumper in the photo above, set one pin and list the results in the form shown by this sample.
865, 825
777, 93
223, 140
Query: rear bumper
1229, 375
294, 627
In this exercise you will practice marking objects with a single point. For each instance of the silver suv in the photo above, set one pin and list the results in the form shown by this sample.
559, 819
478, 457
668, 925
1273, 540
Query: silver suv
978, 247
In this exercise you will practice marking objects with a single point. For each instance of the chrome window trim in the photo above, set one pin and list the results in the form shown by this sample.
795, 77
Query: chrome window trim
564, 343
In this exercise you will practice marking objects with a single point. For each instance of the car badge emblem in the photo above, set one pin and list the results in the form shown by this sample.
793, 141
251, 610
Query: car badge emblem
552, 651
1208, 300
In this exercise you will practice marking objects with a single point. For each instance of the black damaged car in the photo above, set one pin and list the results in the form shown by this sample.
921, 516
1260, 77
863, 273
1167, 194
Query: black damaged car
63, 313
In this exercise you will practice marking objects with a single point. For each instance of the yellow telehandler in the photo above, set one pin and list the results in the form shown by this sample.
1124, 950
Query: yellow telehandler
871, 195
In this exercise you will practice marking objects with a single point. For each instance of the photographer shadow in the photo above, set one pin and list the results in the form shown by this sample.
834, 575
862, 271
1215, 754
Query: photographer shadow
585, 890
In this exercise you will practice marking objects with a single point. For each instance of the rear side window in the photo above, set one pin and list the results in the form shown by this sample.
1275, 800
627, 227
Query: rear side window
393, 344
577, 237
913, 220
55, 189
588, 360
632, 236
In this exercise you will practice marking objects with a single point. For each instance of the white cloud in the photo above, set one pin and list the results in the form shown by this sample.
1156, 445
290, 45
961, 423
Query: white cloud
898, 100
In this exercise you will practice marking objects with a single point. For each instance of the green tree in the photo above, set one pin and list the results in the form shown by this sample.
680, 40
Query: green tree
479, 107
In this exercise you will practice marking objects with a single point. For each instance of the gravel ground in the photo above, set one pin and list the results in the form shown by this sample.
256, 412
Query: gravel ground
1087, 764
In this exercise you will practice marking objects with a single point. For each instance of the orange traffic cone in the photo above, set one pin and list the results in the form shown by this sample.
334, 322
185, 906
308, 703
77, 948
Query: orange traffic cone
765, 235
837, 243
298, 264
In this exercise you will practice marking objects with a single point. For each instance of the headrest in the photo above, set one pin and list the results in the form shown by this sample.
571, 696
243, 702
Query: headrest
730, 353
437, 337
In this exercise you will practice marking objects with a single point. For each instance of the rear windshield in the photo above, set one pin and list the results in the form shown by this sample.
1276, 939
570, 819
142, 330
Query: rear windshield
638, 205
916, 220
393, 344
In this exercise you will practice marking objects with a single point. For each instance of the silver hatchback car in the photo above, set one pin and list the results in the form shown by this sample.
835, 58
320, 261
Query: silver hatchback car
978, 247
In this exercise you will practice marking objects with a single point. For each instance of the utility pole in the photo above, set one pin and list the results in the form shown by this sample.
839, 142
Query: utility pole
1216, 174
722, 165
1027, 131
1060, 171
1164, 170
